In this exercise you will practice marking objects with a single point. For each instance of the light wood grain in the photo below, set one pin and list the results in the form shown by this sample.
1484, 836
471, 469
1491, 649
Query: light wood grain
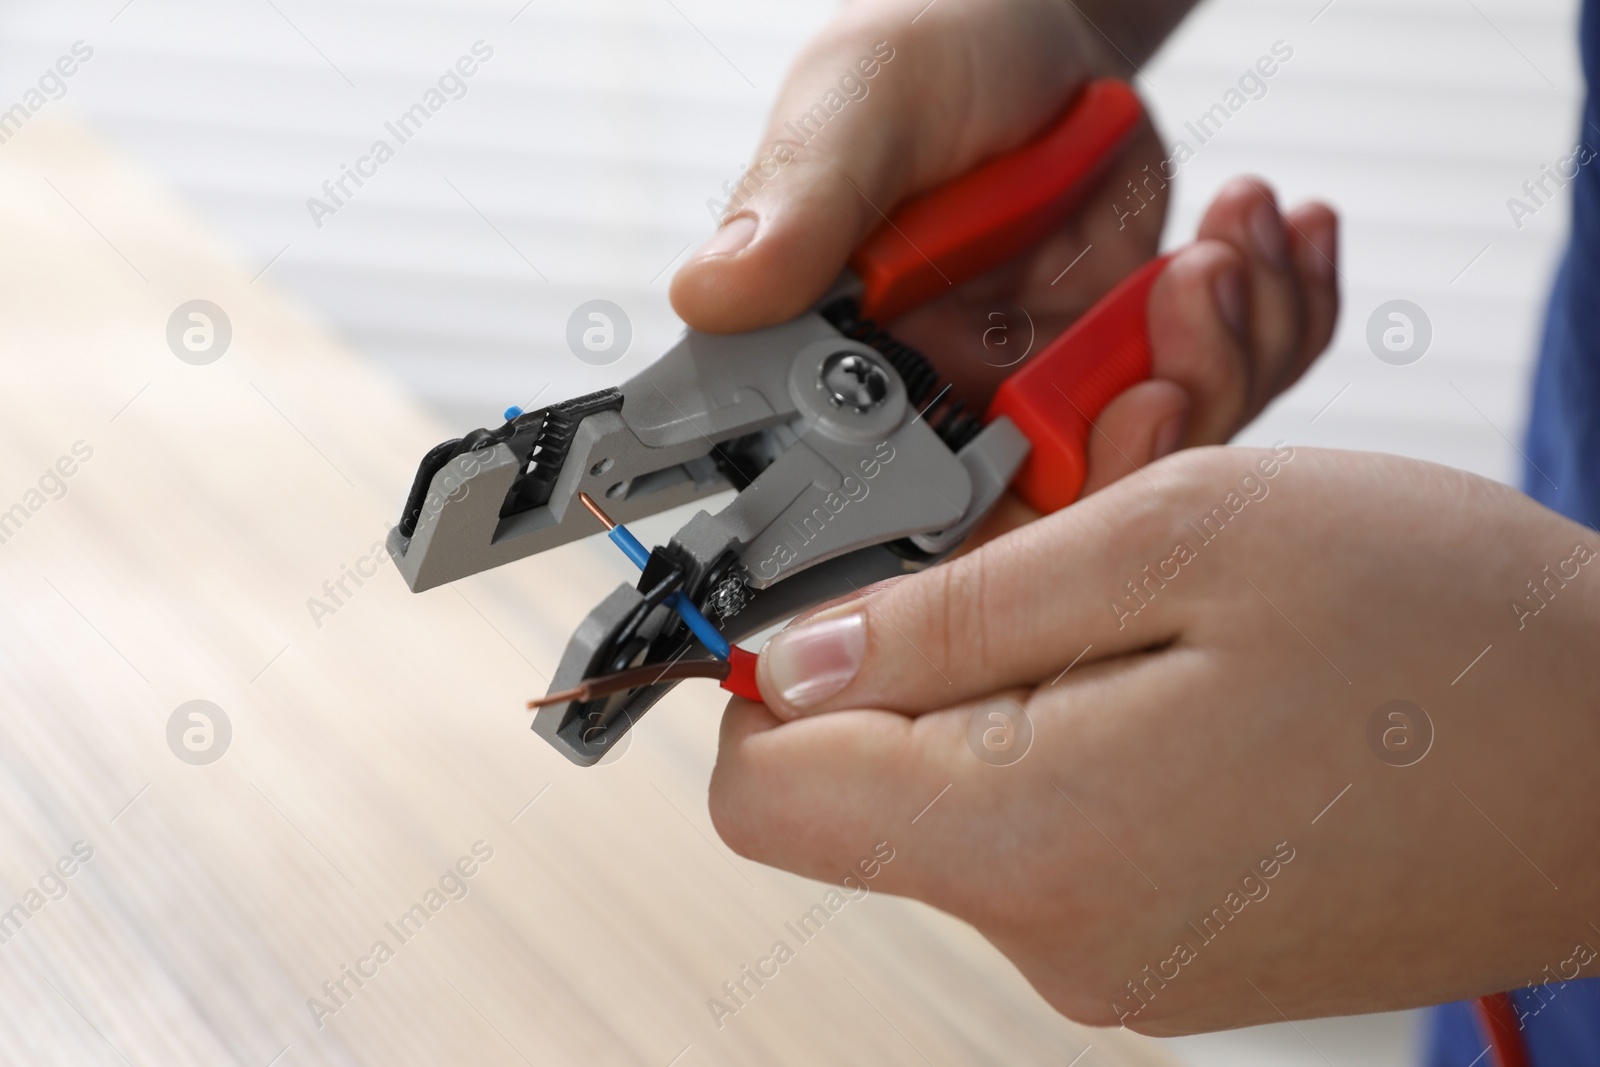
369, 752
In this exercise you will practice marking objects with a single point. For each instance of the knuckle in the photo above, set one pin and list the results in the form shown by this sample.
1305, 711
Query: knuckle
1280, 323
943, 615
1187, 483
949, 615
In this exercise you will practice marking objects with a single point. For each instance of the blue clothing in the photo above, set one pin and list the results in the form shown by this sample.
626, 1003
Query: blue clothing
1564, 429
1562, 1028
1562, 1023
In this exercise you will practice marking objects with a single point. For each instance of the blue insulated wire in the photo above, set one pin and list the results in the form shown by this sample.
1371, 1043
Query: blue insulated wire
630, 545
692, 616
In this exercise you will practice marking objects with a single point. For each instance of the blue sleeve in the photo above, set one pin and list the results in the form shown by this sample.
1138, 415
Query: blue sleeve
1562, 471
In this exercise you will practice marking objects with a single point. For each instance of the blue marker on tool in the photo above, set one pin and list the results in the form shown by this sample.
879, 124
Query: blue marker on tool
692, 616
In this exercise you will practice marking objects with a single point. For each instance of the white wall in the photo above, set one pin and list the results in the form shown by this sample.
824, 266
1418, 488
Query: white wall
593, 138
1418, 119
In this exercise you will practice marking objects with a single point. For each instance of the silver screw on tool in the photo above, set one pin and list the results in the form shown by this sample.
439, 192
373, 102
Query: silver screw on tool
852, 380
730, 596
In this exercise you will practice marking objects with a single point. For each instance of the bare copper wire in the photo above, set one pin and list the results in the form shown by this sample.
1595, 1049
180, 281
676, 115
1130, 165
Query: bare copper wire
594, 509
635, 678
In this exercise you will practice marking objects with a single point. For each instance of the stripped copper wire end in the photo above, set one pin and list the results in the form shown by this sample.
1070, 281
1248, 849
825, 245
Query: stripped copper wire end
580, 693
653, 674
594, 509
635, 678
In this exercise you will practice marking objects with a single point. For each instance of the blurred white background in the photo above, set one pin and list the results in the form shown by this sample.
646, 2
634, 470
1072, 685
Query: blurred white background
579, 163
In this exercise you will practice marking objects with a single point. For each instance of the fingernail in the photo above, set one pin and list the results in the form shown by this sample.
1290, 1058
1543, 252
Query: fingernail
1169, 435
732, 237
1229, 291
1324, 255
1266, 229
811, 662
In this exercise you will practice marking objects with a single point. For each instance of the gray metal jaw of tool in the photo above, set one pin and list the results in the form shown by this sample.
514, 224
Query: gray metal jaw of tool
847, 484
857, 498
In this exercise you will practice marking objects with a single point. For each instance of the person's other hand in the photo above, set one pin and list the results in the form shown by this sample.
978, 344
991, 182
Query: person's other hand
1236, 319
1212, 826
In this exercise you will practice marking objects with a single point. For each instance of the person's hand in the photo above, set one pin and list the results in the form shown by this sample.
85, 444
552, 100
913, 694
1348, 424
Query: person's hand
1212, 825
1236, 319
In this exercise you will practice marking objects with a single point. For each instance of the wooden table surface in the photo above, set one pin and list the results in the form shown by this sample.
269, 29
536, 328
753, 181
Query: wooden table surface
165, 527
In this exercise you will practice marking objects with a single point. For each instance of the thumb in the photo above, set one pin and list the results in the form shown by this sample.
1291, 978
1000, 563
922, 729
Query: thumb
779, 251
883, 105
806, 199
1011, 613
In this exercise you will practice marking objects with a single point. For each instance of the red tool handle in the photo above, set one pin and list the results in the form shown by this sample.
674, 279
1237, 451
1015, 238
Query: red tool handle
999, 210
994, 213
1057, 395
